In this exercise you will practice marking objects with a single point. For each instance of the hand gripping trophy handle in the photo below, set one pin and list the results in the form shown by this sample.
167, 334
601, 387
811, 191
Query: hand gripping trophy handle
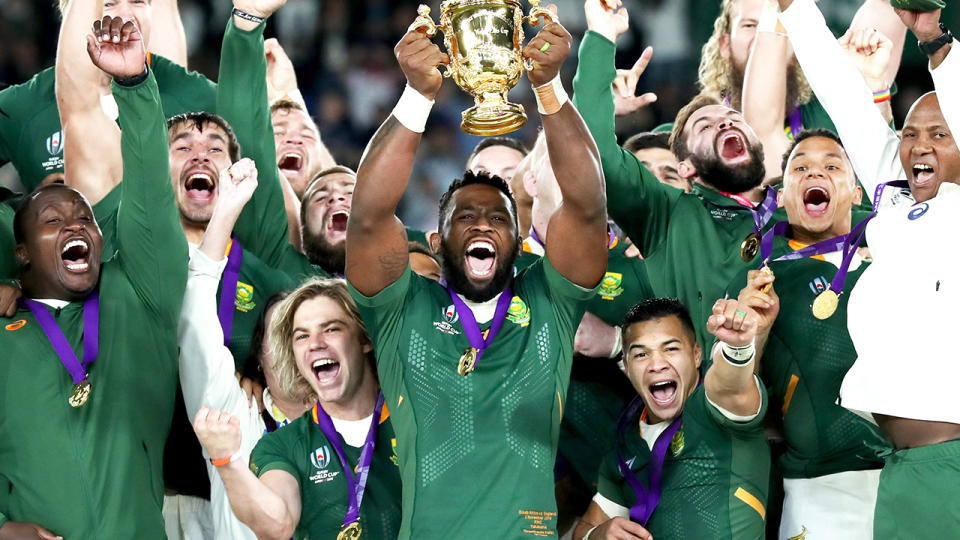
537, 16
424, 22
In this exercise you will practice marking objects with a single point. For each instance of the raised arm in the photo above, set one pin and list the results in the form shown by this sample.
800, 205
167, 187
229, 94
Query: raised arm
95, 167
636, 200
269, 505
576, 243
880, 15
378, 253
765, 89
873, 147
167, 37
944, 64
729, 383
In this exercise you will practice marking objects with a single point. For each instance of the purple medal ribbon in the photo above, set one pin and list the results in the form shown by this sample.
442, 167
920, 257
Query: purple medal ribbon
357, 483
91, 335
647, 497
228, 290
762, 212
796, 122
469, 322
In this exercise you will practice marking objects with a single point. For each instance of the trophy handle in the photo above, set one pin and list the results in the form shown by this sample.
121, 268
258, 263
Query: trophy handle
423, 21
539, 15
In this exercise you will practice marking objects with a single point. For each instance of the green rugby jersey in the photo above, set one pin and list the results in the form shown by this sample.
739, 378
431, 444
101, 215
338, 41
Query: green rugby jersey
715, 475
476, 452
803, 364
302, 450
9, 266
691, 241
625, 284
95, 471
30, 133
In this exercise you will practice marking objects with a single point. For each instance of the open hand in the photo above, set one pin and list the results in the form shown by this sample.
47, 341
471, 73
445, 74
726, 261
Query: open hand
218, 432
625, 87
116, 47
607, 17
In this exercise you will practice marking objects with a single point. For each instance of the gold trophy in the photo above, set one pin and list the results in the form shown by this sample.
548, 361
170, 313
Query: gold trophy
484, 39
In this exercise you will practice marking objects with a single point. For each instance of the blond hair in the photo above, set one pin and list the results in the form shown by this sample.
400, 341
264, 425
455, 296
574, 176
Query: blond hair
291, 382
716, 75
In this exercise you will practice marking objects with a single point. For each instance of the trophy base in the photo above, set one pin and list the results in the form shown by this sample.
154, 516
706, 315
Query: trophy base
488, 119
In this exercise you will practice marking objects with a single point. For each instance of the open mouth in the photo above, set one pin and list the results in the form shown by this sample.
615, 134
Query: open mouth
731, 146
664, 392
200, 186
326, 369
816, 200
922, 174
74, 255
290, 162
480, 258
338, 222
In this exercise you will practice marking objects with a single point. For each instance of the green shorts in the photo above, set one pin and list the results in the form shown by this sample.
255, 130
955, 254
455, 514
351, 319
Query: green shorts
917, 497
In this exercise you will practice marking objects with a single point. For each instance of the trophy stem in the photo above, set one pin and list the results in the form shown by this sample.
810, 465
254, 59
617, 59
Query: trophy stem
493, 115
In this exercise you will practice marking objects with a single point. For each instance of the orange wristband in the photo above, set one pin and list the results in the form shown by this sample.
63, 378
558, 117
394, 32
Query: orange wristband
220, 462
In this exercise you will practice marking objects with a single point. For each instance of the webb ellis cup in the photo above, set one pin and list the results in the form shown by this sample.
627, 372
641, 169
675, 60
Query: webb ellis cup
484, 39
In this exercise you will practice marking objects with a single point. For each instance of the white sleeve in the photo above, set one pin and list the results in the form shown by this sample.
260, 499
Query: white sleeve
873, 148
610, 508
946, 80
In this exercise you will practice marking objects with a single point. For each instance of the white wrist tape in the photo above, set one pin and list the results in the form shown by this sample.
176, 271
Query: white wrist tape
618, 344
551, 96
587, 536
412, 110
768, 17
738, 356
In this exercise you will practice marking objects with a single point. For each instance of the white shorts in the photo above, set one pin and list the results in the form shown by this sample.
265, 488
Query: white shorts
187, 518
836, 506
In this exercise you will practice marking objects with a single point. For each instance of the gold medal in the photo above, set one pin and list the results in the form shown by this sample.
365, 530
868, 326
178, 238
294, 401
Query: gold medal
81, 391
467, 361
825, 304
750, 247
766, 270
350, 532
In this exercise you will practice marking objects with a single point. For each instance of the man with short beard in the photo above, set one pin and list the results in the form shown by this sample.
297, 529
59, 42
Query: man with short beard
692, 242
476, 373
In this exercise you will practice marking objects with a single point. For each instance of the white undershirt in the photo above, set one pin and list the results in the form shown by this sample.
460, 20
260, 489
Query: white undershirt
52, 302
482, 311
354, 432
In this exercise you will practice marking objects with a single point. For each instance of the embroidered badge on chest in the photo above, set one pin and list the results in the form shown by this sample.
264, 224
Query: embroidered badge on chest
244, 299
611, 286
677, 443
518, 312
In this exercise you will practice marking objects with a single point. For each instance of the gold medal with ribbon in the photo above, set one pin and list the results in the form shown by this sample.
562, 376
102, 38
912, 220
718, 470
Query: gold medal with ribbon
351, 531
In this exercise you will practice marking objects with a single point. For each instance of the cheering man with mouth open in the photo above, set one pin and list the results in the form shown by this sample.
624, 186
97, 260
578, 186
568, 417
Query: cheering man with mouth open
475, 372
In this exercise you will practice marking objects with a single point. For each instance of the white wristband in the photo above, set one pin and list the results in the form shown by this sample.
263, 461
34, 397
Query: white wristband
618, 344
551, 96
587, 536
412, 110
738, 356
768, 17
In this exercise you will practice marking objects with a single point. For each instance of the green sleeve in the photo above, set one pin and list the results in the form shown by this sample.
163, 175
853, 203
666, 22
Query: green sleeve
153, 249
384, 315
182, 91
271, 454
637, 201
9, 267
609, 480
561, 287
242, 101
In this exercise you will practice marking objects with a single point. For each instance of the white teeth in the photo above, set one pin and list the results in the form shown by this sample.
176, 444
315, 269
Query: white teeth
922, 167
659, 384
481, 244
205, 176
78, 267
340, 213
75, 243
323, 362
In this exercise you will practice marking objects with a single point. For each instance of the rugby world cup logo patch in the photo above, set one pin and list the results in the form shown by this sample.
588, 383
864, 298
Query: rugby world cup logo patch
55, 143
450, 314
320, 457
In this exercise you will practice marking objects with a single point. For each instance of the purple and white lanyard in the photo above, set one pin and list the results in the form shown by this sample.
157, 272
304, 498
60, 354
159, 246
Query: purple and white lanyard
647, 496
469, 322
228, 290
847, 242
91, 335
356, 484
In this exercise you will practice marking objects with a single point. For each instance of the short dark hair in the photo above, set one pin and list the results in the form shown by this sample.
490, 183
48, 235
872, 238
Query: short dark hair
659, 308
509, 142
646, 140
470, 178
678, 141
19, 229
807, 134
202, 118
286, 105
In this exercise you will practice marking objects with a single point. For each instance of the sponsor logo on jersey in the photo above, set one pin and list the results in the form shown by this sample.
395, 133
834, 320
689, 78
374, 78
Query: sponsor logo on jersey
801, 536
244, 299
16, 325
518, 312
677, 443
320, 457
918, 211
611, 286
818, 285
450, 314
55, 143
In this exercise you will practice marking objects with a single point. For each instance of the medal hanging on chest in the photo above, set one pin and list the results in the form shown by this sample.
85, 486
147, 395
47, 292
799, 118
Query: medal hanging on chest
761, 214
356, 483
479, 341
91, 344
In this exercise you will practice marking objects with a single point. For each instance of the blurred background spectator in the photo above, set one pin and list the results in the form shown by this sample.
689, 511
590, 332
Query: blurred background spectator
343, 53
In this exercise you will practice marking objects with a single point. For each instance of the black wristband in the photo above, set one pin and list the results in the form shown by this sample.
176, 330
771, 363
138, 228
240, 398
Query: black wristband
931, 47
247, 16
135, 80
